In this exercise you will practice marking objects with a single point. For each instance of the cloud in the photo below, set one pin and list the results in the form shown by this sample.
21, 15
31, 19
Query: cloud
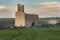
47, 9
48, 3
6, 12
49, 6
2, 7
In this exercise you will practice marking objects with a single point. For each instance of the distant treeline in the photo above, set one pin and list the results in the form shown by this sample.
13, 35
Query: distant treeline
48, 18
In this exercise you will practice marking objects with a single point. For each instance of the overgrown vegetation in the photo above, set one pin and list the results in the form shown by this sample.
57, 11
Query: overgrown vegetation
46, 19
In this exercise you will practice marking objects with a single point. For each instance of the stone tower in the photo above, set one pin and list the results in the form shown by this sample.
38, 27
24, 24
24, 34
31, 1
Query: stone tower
20, 16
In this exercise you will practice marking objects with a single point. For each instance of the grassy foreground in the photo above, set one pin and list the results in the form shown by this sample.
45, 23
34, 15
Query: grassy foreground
29, 34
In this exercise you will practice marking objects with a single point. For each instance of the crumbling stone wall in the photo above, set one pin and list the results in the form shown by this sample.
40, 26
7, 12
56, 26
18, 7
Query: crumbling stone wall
30, 19
20, 16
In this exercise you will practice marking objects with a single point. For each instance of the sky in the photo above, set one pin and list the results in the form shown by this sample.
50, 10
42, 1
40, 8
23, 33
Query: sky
44, 8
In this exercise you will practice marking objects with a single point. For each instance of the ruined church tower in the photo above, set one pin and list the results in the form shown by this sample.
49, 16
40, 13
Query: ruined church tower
20, 16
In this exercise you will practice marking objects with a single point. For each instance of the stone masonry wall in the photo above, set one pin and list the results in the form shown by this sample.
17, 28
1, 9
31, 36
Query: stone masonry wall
20, 16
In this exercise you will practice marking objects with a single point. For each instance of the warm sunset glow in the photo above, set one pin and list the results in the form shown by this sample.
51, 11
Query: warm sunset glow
44, 8
2, 7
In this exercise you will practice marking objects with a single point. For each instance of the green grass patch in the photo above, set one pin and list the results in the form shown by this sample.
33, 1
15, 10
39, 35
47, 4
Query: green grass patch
30, 34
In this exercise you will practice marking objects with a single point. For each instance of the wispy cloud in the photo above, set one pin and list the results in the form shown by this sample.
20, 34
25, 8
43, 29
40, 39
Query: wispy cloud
47, 9
41, 8
6, 12
2, 7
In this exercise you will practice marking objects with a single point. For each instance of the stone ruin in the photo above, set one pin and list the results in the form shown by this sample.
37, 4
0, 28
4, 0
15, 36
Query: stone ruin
22, 19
